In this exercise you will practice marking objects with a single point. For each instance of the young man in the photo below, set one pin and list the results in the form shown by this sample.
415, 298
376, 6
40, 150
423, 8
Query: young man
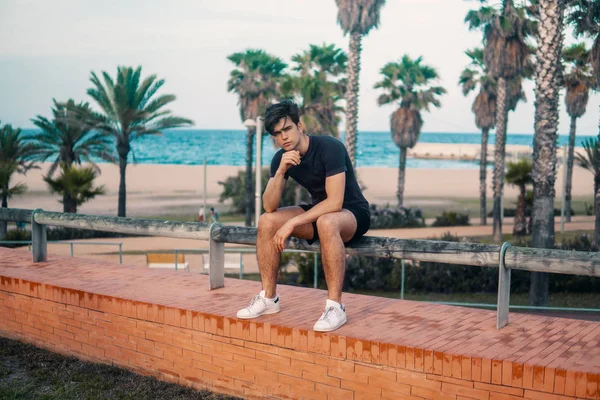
338, 214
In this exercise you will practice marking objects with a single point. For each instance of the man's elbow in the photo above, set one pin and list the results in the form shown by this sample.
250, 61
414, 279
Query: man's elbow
337, 204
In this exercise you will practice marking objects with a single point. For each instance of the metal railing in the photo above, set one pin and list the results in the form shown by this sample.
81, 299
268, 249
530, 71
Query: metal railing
505, 257
72, 245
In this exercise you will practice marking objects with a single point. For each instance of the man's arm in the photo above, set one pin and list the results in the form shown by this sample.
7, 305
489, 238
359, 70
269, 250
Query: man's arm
273, 192
335, 186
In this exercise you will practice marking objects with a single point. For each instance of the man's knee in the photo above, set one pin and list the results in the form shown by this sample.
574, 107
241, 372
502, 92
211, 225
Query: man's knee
267, 222
327, 224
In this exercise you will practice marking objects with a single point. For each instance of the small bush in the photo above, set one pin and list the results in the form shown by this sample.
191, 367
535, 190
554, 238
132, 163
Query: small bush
511, 212
395, 217
451, 219
60, 233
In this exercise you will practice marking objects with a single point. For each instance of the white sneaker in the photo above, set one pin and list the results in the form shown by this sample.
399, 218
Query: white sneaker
260, 306
333, 317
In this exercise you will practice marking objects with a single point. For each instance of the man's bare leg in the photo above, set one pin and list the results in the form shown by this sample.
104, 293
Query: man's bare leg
268, 257
334, 230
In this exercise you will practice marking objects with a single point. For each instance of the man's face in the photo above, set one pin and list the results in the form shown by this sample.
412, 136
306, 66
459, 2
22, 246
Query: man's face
287, 134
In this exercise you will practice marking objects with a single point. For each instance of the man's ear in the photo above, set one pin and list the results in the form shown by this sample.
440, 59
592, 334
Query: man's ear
301, 126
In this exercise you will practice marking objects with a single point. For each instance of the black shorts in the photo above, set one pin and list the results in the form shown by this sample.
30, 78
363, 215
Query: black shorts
363, 222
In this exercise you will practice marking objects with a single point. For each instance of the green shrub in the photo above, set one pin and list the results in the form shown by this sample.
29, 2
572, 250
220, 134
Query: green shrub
61, 233
395, 217
234, 188
451, 218
305, 263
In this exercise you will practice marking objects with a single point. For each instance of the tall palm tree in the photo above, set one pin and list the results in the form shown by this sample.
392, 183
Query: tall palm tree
484, 107
547, 87
69, 139
505, 55
585, 17
409, 81
590, 160
76, 185
578, 81
16, 156
519, 174
255, 79
319, 84
129, 111
356, 18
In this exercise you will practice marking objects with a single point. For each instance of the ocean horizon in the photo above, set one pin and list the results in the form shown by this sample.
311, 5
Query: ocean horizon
228, 147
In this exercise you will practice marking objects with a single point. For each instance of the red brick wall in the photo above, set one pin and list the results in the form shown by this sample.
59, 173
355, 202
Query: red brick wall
254, 360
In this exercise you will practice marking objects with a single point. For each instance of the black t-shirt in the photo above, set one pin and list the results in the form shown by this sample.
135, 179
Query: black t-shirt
326, 156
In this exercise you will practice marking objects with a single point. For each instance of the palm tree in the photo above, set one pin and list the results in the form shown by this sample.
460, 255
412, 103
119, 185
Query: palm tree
356, 18
519, 174
578, 81
76, 185
590, 160
319, 85
505, 55
255, 79
410, 82
547, 87
484, 108
69, 139
585, 17
129, 111
16, 156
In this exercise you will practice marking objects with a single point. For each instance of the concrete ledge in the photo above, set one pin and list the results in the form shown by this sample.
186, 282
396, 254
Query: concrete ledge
169, 325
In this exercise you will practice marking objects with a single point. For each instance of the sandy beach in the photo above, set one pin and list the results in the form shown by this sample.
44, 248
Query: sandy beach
155, 189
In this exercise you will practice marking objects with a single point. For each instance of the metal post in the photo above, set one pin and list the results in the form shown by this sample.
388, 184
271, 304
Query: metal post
71, 249
258, 172
204, 209
176, 260
316, 270
39, 240
402, 284
503, 289
120, 253
216, 266
564, 191
241, 267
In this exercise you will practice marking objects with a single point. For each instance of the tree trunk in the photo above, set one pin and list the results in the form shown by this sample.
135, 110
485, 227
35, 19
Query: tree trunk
69, 205
569, 172
597, 198
123, 150
4, 224
352, 95
544, 143
499, 156
249, 194
483, 177
401, 177
520, 227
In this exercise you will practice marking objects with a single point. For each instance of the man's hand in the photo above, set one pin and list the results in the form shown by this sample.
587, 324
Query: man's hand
282, 234
288, 160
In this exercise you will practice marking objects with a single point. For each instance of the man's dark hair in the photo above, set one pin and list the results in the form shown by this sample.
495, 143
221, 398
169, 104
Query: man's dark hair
283, 109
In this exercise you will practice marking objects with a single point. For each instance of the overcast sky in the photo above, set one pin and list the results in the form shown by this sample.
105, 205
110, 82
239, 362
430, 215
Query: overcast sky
48, 49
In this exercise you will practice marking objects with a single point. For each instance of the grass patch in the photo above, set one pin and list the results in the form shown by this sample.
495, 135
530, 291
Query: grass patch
27, 372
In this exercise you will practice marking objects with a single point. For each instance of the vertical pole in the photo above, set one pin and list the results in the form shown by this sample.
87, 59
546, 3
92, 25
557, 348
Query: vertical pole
71, 249
205, 214
258, 171
176, 260
216, 266
503, 289
316, 270
402, 284
39, 241
241, 267
120, 253
564, 191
